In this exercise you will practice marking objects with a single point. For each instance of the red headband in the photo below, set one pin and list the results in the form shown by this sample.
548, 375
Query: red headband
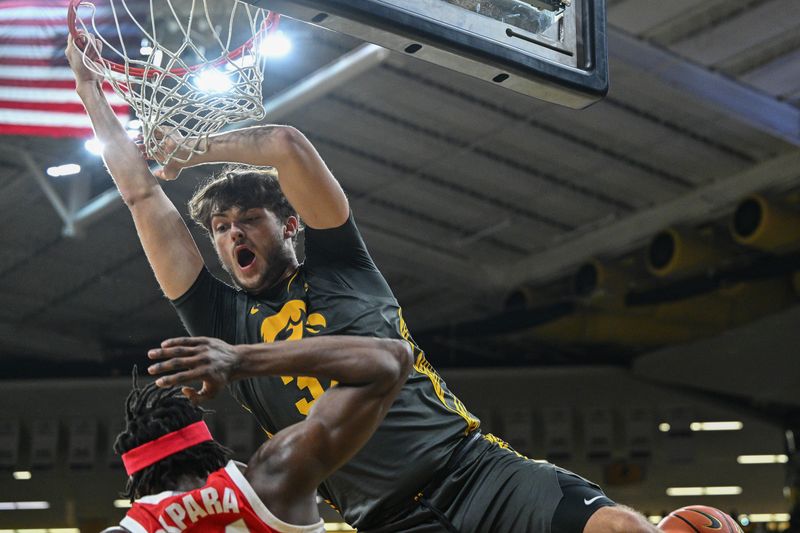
152, 452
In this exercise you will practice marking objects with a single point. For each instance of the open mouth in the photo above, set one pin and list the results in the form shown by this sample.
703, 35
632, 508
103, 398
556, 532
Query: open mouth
245, 257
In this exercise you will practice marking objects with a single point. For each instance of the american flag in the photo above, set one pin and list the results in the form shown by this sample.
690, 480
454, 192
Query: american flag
37, 88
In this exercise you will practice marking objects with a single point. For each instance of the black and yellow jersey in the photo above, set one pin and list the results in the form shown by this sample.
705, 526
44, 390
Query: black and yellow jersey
337, 290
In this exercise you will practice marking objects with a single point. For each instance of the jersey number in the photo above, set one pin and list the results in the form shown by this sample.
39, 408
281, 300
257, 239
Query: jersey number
312, 385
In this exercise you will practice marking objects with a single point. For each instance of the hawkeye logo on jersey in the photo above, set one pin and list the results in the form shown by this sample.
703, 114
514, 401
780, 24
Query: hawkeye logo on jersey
191, 510
291, 322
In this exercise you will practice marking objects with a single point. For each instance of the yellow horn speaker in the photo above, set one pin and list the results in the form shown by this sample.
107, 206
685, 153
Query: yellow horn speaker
766, 225
601, 283
524, 297
674, 252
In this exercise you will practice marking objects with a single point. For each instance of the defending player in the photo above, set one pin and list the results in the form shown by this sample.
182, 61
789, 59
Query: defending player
428, 467
182, 479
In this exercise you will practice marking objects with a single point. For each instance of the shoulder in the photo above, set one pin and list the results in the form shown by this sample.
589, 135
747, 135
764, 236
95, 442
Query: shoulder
276, 501
205, 284
287, 463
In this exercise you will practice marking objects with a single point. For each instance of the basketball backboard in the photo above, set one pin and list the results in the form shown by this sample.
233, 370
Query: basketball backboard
554, 50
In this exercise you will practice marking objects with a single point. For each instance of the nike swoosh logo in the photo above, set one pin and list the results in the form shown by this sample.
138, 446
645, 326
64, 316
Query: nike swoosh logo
714, 523
590, 502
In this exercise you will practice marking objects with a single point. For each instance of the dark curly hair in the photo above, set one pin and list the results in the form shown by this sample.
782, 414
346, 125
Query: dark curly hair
152, 412
239, 186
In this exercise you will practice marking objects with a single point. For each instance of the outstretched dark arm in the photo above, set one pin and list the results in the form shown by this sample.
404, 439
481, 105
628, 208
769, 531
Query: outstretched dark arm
287, 469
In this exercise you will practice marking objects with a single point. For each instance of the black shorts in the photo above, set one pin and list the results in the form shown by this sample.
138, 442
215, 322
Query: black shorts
579, 500
489, 488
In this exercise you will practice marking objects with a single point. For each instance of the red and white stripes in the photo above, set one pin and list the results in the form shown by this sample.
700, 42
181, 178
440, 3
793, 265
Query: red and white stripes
37, 88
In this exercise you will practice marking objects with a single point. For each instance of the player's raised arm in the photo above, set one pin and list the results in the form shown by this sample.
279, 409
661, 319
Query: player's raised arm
369, 371
304, 178
167, 242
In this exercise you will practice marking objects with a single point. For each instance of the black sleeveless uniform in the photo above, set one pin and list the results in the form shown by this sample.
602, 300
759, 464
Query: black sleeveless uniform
393, 482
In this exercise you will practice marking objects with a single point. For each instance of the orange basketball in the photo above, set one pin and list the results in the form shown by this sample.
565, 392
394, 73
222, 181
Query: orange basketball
699, 519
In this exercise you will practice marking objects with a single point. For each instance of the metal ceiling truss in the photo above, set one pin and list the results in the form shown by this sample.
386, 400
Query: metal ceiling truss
733, 98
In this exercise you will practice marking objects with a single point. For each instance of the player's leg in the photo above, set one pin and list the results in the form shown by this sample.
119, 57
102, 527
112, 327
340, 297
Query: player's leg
585, 508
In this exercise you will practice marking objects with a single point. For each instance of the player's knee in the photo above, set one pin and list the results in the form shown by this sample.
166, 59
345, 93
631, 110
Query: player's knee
618, 519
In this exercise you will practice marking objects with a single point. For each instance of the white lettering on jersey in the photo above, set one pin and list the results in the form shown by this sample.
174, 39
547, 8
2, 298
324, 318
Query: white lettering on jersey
193, 510
229, 503
167, 529
177, 513
211, 500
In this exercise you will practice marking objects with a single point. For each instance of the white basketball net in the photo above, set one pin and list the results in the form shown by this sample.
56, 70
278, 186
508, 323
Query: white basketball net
180, 95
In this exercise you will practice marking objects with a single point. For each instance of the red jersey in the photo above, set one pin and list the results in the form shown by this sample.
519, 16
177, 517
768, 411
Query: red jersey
225, 504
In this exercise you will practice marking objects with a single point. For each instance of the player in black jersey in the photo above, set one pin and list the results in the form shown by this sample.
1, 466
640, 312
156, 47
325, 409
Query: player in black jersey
427, 468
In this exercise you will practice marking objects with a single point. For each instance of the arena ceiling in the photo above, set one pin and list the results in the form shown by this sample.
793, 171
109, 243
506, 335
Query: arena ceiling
465, 192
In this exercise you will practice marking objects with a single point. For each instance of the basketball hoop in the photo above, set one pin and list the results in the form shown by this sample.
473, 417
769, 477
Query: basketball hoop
195, 92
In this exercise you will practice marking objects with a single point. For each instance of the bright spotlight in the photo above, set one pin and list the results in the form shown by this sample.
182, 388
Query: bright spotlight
213, 81
276, 45
94, 146
63, 170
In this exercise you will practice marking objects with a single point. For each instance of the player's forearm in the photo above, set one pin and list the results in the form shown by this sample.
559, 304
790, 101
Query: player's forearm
304, 178
257, 145
121, 155
346, 359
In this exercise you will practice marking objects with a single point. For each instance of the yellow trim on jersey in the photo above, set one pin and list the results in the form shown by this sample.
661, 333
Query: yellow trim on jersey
500, 443
289, 284
422, 366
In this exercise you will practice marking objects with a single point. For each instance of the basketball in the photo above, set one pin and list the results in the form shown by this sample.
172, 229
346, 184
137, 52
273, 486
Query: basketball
698, 519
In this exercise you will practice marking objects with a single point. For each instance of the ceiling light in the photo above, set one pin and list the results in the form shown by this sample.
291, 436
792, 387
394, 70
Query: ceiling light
654, 518
704, 491
723, 491
276, 45
685, 491
94, 146
766, 517
663, 427
155, 58
23, 506
734, 425
762, 459
63, 170
43, 530
122, 504
213, 81
21, 475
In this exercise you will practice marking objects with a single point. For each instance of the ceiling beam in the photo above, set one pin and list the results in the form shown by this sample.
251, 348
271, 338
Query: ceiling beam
733, 98
321, 82
47, 188
426, 262
621, 236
